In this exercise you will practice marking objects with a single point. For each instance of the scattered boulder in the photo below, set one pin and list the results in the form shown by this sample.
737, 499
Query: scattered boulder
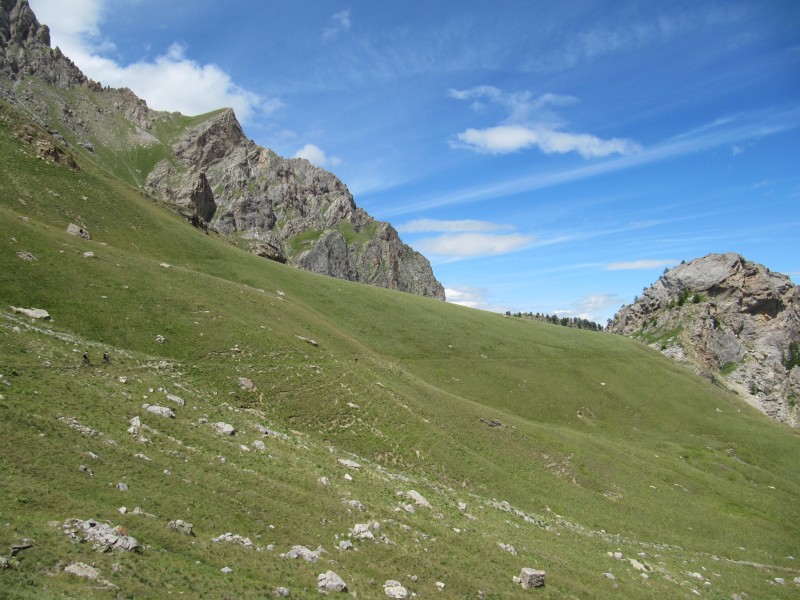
25, 255
181, 527
4, 564
364, 531
356, 504
89, 254
33, 313
176, 399
162, 411
73, 229
394, 589
259, 445
324, 481
281, 592
104, 537
637, 565
440, 586
531, 578
234, 538
307, 555
226, 570
345, 545
330, 582
508, 548
122, 487
418, 499
80, 569
245, 383
350, 464
160, 339
223, 428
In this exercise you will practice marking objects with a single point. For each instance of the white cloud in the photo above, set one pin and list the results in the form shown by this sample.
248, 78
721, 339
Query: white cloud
471, 297
338, 23
504, 139
531, 124
641, 264
171, 82
470, 245
435, 225
736, 150
316, 156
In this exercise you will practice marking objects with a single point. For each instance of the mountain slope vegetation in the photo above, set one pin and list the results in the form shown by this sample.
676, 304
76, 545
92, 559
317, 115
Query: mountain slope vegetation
567, 445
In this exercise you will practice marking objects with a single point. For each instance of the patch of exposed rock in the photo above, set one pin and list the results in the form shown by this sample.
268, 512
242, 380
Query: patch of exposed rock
283, 209
289, 210
731, 320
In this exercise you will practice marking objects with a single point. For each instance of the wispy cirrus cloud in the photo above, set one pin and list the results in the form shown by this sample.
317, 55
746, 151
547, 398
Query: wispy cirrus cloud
720, 133
531, 123
436, 225
635, 265
172, 81
338, 23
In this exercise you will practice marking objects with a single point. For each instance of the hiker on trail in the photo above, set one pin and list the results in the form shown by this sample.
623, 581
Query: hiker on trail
86, 358
106, 358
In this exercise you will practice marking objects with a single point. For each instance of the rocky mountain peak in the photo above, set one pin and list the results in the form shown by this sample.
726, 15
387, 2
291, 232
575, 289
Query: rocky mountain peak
19, 26
287, 210
25, 49
731, 320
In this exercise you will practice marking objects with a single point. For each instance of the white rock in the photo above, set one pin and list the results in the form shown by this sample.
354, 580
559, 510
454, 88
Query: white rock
307, 555
259, 445
223, 428
226, 570
122, 510
330, 582
80, 569
33, 313
362, 531
394, 589
440, 586
637, 565
324, 481
348, 477
162, 411
418, 499
176, 399
350, 464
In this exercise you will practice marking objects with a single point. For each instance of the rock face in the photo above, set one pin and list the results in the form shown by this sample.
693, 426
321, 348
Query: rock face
289, 210
286, 210
729, 319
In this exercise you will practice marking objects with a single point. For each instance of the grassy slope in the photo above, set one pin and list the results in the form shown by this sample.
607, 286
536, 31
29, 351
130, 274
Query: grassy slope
399, 380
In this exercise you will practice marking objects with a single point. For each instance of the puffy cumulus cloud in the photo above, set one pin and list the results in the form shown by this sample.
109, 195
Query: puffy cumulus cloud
472, 244
171, 81
471, 297
531, 122
436, 225
338, 23
635, 265
316, 156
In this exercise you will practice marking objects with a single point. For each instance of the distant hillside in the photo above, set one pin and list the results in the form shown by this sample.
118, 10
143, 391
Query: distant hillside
730, 319
205, 167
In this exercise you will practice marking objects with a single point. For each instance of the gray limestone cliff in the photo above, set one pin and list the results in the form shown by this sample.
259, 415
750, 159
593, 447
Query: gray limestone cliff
206, 169
729, 319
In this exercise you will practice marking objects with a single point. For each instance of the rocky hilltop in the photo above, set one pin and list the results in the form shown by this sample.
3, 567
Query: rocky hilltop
206, 168
731, 320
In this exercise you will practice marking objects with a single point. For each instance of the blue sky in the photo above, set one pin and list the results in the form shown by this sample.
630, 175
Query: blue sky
545, 156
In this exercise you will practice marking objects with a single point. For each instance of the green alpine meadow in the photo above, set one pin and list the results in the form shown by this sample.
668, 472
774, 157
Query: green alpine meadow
219, 386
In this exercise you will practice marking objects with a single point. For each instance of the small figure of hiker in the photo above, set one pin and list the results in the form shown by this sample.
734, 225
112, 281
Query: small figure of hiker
106, 358
86, 359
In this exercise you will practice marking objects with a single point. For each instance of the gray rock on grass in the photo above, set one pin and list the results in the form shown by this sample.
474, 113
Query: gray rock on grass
330, 582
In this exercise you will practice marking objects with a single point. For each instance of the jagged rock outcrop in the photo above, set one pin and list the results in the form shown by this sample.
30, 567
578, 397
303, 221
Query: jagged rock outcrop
730, 319
289, 210
283, 209
25, 48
